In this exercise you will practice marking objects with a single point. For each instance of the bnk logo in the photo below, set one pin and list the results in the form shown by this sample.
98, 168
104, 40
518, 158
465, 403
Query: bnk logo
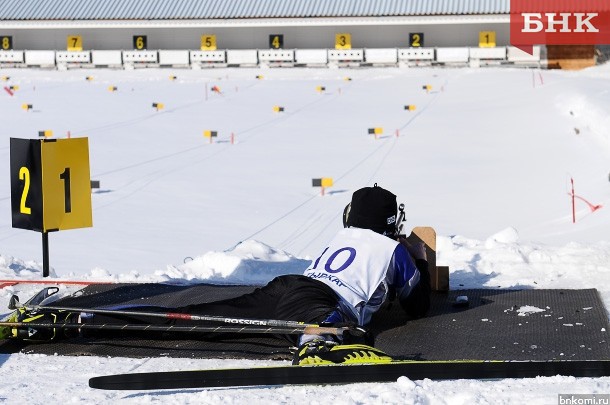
581, 22
559, 22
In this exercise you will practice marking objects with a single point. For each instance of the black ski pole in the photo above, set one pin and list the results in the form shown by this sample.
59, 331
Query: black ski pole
310, 329
289, 325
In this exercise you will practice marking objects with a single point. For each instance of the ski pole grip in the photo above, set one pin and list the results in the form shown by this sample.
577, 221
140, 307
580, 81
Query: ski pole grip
323, 330
329, 330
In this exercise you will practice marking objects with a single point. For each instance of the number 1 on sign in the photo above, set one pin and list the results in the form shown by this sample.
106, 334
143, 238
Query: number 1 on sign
487, 39
65, 176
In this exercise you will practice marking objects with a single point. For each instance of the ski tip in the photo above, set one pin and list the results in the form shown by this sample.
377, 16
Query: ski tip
94, 383
103, 383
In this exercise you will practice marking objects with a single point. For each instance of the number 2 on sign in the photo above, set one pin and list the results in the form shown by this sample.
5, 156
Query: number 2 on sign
416, 39
24, 174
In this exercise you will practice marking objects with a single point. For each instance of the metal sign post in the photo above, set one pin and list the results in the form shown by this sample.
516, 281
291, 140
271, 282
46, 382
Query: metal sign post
50, 187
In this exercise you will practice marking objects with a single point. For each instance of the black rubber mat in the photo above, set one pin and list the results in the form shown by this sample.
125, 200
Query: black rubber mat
496, 324
569, 324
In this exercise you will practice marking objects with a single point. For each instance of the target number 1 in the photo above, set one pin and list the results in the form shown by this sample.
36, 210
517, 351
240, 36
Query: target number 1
65, 176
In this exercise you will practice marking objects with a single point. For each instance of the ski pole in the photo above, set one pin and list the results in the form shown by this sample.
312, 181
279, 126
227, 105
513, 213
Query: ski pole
355, 330
307, 329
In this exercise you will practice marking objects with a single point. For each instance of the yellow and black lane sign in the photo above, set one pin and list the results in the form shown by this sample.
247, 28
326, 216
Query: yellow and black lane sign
276, 41
343, 41
208, 42
6, 43
322, 182
74, 43
416, 39
140, 42
487, 39
50, 184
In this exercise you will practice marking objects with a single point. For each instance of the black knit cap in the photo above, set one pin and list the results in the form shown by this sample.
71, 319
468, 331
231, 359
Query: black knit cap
372, 208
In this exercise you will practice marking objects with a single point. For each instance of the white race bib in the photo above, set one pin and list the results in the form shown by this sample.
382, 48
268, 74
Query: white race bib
354, 264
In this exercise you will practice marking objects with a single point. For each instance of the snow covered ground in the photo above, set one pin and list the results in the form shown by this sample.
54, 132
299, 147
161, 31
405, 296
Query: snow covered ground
486, 158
